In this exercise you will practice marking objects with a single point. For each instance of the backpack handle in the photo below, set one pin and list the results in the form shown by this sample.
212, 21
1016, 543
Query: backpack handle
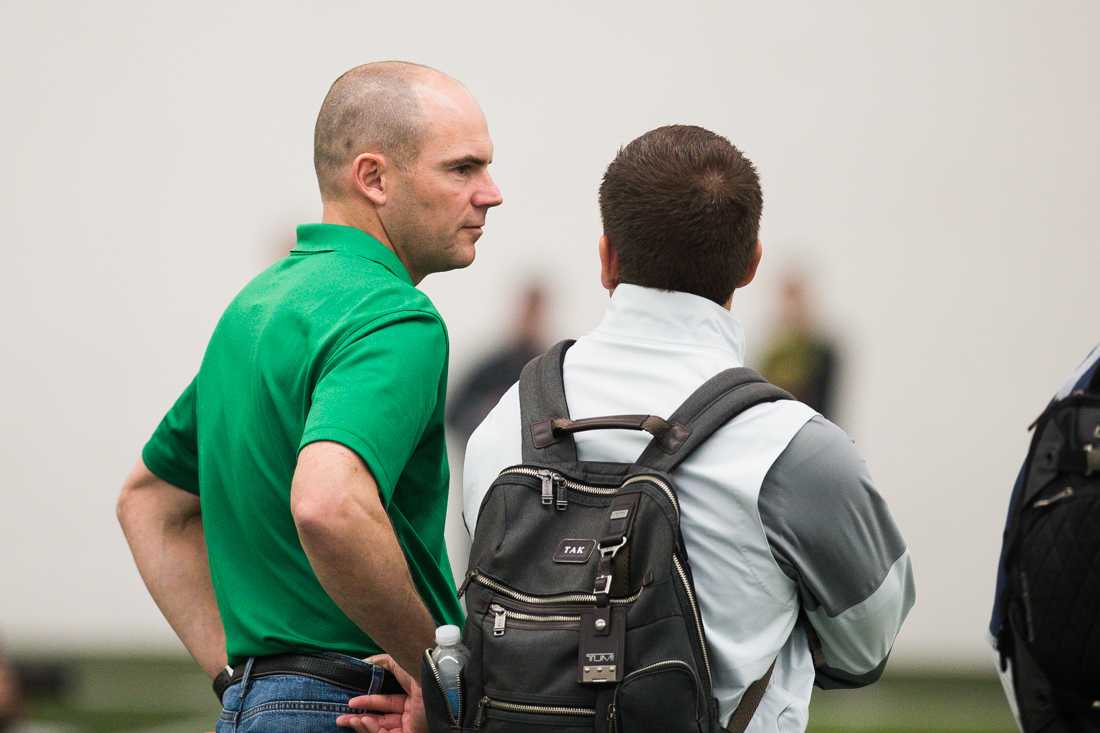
721, 398
547, 432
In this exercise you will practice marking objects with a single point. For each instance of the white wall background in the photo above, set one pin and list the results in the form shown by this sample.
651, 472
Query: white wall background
934, 164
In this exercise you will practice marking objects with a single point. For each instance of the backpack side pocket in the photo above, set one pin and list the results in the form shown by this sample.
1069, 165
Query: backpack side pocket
436, 707
662, 696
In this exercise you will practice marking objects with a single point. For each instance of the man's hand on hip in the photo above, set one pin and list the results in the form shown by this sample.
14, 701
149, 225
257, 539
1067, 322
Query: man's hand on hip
390, 713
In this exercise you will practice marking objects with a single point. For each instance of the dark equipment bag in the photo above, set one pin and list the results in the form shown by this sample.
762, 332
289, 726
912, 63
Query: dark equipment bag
1050, 604
581, 612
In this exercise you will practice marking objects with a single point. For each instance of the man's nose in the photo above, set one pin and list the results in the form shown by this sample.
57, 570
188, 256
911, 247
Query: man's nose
488, 195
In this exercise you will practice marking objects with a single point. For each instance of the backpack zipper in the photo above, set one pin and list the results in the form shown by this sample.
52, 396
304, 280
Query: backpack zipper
439, 684
1063, 494
664, 663
695, 611
549, 479
660, 485
502, 614
514, 707
485, 580
553, 486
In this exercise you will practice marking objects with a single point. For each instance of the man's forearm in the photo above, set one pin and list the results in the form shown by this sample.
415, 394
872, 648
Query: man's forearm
169, 548
362, 568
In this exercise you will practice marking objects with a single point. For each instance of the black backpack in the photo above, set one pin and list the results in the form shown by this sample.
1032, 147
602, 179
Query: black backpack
1049, 601
581, 612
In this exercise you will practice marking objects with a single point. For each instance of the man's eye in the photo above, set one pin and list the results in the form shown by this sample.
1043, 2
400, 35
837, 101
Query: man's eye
464, 169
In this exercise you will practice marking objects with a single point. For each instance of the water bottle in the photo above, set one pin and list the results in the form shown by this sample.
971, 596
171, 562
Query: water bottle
450, 657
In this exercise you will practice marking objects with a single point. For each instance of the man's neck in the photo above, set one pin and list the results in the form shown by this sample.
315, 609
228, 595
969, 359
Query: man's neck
366, 220
334, 212
728, 305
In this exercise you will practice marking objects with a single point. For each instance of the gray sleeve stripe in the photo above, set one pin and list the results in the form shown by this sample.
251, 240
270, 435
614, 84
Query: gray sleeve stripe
829, 678
828, 528
858, 640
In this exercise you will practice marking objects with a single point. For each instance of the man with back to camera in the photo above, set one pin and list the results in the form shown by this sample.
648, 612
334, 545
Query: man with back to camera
288, 513
795, 557
780, 517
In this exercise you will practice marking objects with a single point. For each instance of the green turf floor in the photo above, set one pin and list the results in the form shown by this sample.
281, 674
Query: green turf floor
142, 694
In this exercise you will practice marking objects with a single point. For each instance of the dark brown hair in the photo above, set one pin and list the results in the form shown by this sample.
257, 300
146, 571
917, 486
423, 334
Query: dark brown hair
681, 207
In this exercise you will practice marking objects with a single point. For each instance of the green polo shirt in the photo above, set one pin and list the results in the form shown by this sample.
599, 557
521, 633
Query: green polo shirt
331, 343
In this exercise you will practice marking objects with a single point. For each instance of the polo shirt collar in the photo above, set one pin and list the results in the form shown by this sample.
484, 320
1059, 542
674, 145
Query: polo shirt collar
338, 238
672, 317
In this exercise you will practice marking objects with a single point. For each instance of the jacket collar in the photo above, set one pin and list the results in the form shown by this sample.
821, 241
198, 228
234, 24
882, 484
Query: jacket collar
669, 316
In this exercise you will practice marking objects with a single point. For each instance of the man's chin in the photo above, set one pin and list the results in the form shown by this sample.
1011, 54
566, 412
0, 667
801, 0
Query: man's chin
460, 256
469, 254
466, 250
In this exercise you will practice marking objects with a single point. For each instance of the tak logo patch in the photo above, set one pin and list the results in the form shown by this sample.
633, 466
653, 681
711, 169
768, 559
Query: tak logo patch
574, 551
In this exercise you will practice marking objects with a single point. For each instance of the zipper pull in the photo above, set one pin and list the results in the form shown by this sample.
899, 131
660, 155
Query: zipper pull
481, 706
611, 717
466, 582
1063, 494
547, 487
563, 500
500, 618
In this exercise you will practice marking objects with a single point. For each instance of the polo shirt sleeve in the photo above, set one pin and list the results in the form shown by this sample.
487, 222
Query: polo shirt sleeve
172, 453
378, 391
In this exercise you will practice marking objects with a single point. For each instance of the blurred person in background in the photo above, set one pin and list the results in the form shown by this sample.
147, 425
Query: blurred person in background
491, 377
802, 575
798, 357
287, 515
11, 697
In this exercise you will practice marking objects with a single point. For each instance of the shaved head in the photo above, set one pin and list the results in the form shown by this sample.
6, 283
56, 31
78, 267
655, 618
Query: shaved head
402, 153
371, 108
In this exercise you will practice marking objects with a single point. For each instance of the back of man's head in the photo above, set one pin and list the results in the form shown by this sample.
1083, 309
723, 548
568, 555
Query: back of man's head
370, 108
681, 208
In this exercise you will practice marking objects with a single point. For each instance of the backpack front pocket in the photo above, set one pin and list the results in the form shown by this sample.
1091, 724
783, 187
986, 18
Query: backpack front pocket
531, 643
497, 715
663, 696
527, 649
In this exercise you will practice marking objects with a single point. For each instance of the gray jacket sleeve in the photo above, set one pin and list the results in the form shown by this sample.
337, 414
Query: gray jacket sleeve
831, 532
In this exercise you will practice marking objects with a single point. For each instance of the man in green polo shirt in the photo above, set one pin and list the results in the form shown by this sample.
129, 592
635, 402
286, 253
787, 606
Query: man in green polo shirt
287, 515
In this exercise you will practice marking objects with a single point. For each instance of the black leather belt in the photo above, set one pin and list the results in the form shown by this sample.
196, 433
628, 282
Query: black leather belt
333, 669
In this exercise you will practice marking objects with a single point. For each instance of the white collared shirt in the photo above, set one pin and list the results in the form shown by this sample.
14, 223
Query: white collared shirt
778, 514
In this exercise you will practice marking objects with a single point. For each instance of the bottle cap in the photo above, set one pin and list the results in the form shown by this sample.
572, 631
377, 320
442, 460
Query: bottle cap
448, 636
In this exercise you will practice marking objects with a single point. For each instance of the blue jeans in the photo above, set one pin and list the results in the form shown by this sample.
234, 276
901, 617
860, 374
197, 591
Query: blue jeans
289, 703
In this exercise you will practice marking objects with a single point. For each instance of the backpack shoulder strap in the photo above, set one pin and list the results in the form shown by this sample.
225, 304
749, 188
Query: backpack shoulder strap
542, 399
721, 398
750, 701
547, 429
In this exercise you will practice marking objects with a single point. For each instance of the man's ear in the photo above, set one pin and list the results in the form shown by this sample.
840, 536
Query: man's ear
369, 174
757, 254
609, 264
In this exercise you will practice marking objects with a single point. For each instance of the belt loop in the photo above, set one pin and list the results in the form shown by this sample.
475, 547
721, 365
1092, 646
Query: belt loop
378, 674
228, 706
246, 681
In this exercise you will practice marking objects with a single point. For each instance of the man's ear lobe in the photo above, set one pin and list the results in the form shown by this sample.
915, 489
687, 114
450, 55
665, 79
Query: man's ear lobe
757, 254
368, 172
609, 264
